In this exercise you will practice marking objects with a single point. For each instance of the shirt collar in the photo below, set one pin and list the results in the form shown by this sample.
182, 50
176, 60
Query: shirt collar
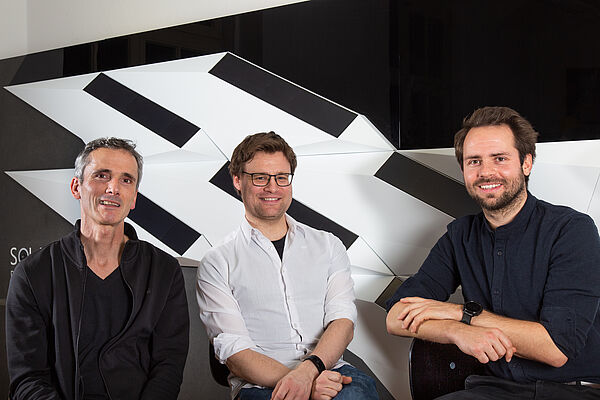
520, 221
294, 228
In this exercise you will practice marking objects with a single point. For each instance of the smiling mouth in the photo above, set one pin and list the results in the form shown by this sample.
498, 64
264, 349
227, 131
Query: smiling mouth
109, 203
270, 198
490, 186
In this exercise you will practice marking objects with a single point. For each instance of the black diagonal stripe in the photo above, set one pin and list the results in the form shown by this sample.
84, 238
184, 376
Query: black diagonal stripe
162, 225
297, 210
427, 185
142, 110
306, 215
284, 95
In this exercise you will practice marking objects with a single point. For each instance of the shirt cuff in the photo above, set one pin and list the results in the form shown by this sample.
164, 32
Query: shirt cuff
228, 344
350, 314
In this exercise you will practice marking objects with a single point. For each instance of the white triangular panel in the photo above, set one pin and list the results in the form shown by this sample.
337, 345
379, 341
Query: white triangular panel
569, 179
52, 188
195, 64
201, 144
403, 256
334, 146
366, 164
179, 157
362, 131
370, 287
440, 160
198, 249
68, 83
582, 153
362, 255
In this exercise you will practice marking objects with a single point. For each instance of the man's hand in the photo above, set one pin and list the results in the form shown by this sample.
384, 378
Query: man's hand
419, 310
297, 384
485, 344
328, 385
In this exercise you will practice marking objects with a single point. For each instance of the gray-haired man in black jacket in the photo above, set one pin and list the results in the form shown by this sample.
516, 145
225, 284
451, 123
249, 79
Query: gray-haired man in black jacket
98, 314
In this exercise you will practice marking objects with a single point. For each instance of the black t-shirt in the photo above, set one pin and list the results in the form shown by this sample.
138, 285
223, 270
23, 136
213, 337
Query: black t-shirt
279, 244
106, 307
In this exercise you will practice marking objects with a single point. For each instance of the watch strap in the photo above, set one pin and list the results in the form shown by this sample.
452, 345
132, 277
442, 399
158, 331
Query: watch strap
317, 362
466, 318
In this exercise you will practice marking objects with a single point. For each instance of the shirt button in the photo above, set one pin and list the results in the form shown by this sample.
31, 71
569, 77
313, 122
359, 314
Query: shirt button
499, 252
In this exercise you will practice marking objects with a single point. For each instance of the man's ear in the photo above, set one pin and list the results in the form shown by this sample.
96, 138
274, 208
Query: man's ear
236, 183
134, 200
527, 164
75, 187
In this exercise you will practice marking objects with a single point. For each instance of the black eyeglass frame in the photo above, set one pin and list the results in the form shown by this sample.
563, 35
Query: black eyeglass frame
289, 176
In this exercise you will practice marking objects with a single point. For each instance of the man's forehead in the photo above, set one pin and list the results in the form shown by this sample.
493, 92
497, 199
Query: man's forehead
489, 139
113, 159
264, 156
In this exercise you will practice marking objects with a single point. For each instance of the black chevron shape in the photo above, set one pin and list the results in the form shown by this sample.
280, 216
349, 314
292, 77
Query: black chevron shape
427, 185
286, 96
162, 225
156, 118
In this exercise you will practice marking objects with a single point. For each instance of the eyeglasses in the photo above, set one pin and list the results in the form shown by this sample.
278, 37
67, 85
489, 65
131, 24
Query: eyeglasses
262, 179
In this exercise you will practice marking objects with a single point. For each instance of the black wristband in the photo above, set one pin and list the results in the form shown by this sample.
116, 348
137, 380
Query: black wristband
317, 362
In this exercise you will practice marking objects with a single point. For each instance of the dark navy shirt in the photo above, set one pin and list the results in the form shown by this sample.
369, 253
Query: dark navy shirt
544, 266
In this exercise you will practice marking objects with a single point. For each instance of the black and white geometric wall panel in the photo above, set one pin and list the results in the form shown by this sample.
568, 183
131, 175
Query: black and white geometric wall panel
389, 207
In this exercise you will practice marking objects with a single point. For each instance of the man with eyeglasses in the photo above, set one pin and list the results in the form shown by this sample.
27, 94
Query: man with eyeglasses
277, 297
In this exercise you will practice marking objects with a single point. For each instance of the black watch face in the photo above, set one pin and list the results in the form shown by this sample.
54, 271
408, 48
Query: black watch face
473, 308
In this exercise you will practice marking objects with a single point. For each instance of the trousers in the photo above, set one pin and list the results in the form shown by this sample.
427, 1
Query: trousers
479, 387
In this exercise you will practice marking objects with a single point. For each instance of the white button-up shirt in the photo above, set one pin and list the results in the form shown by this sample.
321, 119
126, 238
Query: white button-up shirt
249, 298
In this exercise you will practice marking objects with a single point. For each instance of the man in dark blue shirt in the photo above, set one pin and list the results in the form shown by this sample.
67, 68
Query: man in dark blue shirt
529, 272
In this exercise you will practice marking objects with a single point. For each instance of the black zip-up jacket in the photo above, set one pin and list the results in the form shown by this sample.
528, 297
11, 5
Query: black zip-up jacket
43, 318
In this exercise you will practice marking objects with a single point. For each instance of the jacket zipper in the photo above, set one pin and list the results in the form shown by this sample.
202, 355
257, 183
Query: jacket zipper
78, 387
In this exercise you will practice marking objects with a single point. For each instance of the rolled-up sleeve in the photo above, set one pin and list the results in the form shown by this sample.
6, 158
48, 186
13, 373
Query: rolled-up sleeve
219, 310
572, 291
339, 299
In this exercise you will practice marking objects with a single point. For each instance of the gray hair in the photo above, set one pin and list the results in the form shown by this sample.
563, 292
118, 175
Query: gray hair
82, 159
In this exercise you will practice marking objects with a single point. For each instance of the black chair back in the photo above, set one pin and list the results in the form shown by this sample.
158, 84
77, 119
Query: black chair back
436, 369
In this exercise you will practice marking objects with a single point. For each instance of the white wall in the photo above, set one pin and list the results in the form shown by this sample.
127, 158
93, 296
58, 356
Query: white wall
29, 26
13, 28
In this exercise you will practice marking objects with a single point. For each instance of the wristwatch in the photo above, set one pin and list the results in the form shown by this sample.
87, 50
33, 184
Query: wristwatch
317, 362
470, 309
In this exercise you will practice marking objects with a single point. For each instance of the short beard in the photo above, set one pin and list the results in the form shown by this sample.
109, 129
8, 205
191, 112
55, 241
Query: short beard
506, 202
